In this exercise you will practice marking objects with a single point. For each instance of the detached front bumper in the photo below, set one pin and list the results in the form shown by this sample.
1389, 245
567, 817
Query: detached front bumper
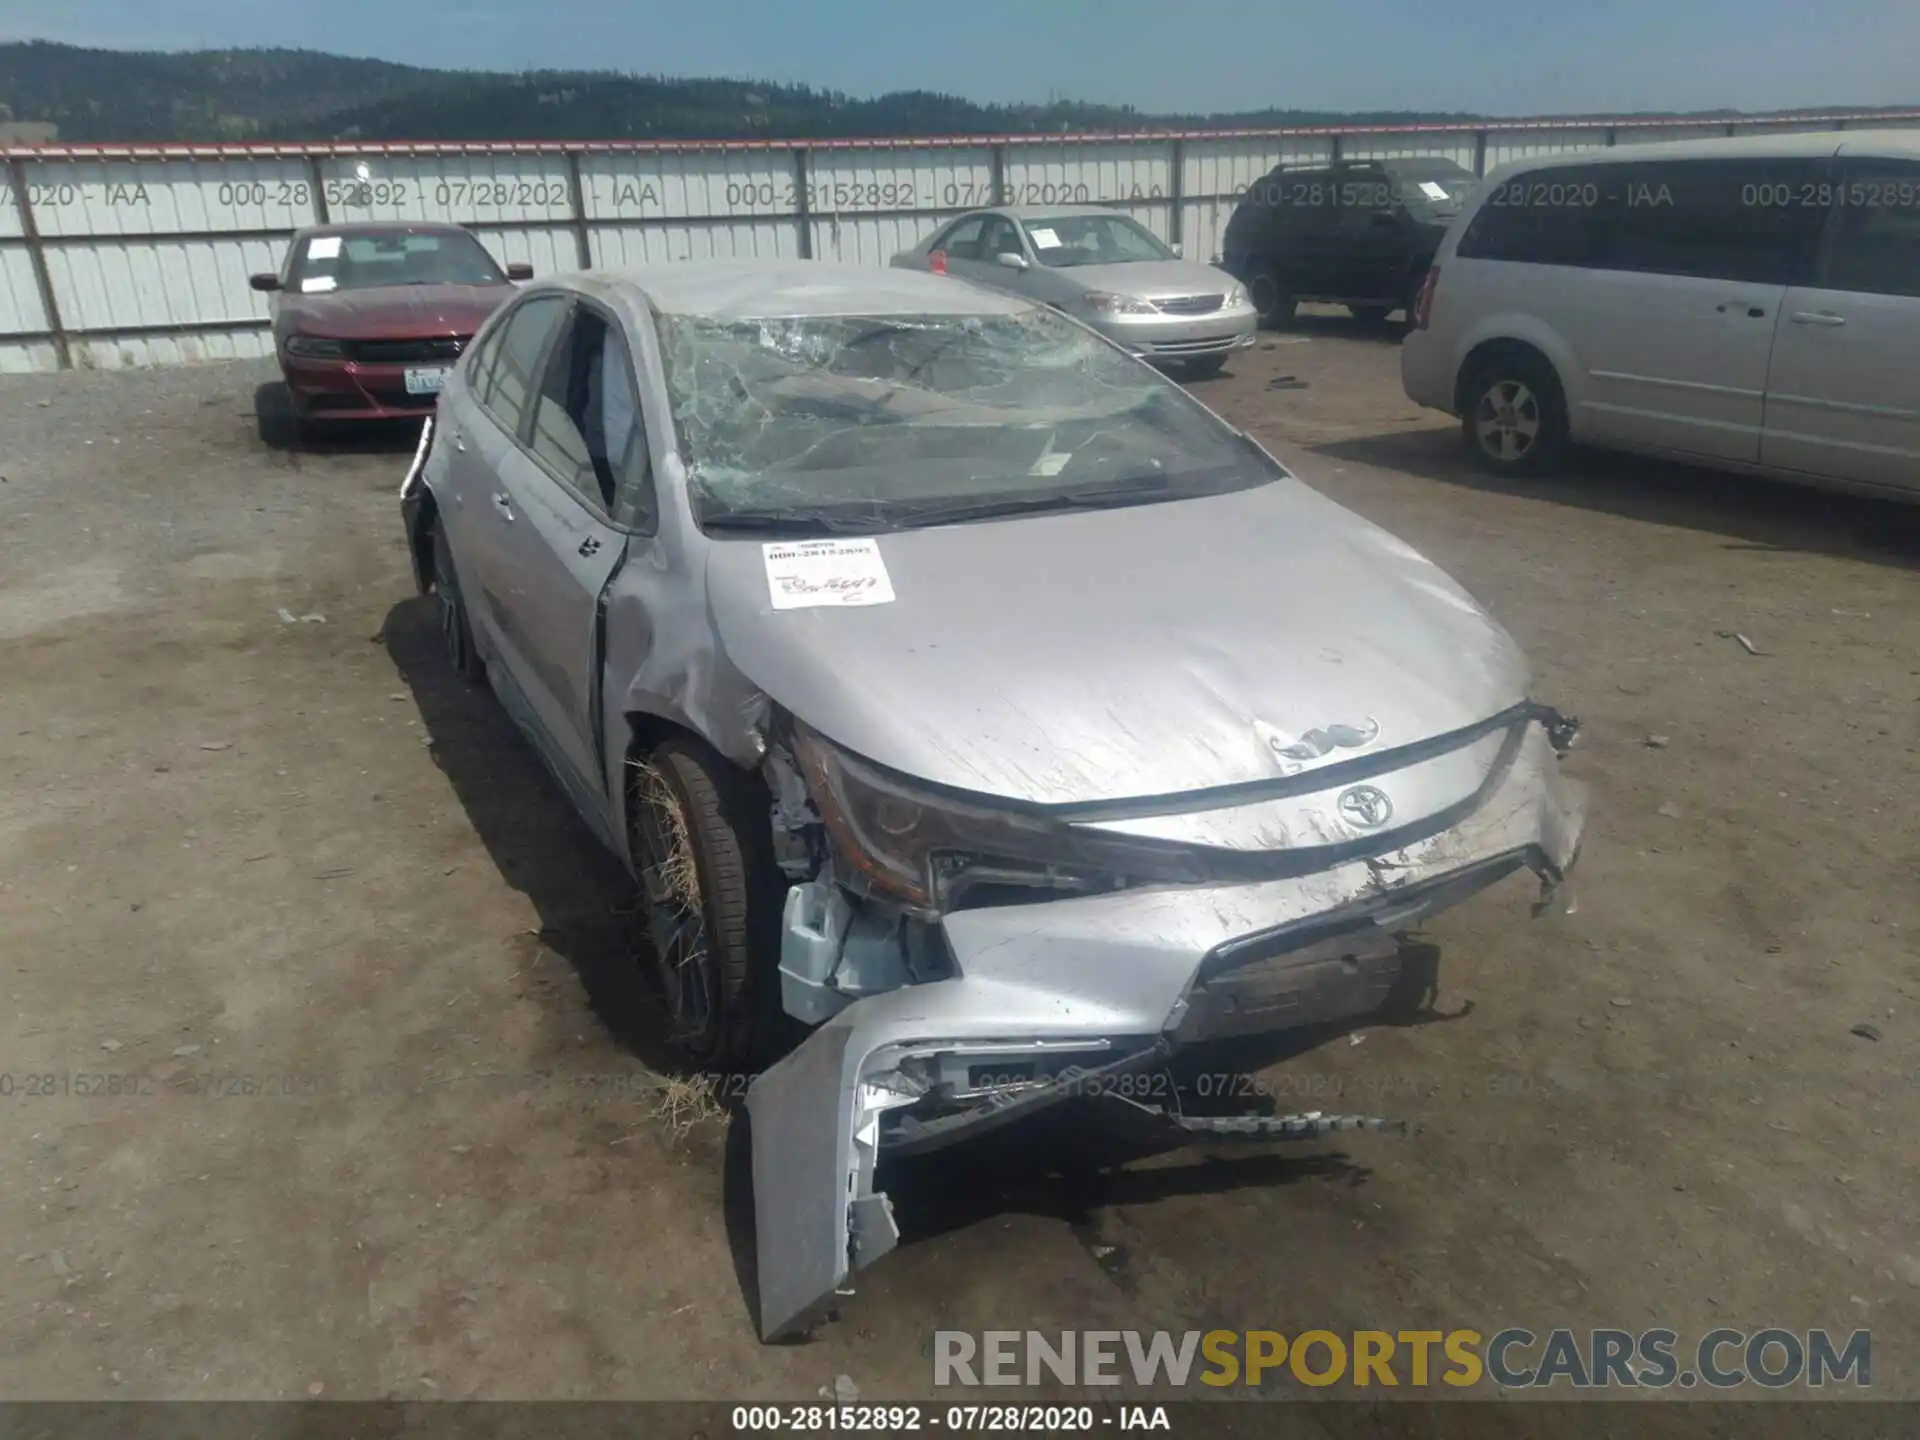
1097, 983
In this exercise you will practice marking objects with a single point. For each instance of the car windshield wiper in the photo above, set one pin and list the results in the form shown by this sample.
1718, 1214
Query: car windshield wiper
792, 522
990, 507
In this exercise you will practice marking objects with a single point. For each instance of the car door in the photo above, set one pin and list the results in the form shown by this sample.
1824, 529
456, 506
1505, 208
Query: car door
560, 535
960, 242
1307, 230
1675, 324
1372, 228
998, 236
1842, 397
478, 424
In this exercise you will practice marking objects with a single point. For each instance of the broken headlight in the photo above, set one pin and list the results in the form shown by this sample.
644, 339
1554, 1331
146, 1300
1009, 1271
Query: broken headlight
926, 848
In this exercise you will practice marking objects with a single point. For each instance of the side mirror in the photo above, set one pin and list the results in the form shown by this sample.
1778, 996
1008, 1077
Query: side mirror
1012, 260
265, 282
519, 270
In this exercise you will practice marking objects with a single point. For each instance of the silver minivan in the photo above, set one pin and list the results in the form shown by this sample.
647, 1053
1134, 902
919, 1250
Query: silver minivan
1749, 303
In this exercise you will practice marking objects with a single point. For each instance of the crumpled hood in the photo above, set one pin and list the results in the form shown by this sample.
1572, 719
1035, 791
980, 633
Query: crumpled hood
397, 312
1100, 655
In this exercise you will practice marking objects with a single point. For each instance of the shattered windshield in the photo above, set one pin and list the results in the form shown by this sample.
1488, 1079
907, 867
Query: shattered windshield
889, 421
370, 259
1073, 240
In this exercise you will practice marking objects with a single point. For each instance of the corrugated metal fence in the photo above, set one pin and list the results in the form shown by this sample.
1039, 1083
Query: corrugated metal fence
113, 257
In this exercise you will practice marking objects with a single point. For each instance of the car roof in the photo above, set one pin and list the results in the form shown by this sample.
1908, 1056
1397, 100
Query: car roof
1789, 145
1054, 212
387, 227
782, 289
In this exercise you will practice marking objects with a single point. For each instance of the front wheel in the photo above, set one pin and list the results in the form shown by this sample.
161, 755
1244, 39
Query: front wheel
1270, 298
1514, 416
712, 895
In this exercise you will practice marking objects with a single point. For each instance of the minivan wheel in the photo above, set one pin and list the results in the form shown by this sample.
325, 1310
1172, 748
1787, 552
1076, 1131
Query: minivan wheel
1270, 301
1514, 416
711, 898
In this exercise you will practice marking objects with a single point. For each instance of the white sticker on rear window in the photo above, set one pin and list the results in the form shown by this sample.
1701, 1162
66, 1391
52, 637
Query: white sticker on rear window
803, 574
1433, 191
1044, 239
323, 247
313, 284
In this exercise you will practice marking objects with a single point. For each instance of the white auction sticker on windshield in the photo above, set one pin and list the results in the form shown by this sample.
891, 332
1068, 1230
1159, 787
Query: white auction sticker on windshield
1433, 191
1044, 239
323, 247
315, 284
802, 574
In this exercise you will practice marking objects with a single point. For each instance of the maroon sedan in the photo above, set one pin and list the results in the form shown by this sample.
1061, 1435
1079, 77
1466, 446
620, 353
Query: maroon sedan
367, 319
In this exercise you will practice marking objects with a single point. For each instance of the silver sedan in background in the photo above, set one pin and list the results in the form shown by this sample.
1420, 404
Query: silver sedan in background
1105, 269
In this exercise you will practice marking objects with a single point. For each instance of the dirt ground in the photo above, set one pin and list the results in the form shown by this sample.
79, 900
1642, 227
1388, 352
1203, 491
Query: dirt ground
395, 1125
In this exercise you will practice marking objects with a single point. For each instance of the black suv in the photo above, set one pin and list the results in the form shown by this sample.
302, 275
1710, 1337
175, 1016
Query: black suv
1358, 233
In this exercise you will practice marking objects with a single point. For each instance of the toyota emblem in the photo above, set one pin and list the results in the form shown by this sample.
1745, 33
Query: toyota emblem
1365, 806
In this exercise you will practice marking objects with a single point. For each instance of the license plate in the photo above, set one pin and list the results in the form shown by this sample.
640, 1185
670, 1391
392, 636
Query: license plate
427, 382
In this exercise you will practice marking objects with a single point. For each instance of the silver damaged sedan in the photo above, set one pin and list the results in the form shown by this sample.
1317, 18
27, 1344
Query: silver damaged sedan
963, 696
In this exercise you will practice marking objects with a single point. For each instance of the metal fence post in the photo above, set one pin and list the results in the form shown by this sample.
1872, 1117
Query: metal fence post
37, 257
997, 167
1613, 136
577, 201
802, 200
319, 188
1480, 154
1334, 147
1176, 165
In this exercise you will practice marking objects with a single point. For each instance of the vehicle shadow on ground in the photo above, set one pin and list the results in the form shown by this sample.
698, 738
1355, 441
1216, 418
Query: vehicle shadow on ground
273, 419
1334, 323
1750, 512
582, 895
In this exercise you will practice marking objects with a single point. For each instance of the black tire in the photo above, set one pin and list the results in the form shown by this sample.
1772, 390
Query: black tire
1372, 316
722, 985
456, 631
1270, 298
1513, 414
1206, 367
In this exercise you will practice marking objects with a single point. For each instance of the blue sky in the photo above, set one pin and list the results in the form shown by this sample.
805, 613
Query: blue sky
1509, 58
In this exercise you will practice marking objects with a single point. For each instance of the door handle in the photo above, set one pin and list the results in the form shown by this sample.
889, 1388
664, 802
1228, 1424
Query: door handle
590, 546
1818, 317
504, 505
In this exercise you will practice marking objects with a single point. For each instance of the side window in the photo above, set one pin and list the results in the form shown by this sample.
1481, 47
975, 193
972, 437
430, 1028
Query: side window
962, 242
1756, 221
588, 428
511, 383
999, 238
1540, 217
1876, 239
480, 363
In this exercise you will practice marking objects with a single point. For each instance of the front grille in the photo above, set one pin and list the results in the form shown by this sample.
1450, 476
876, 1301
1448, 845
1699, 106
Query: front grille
1190, 304
408, 352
